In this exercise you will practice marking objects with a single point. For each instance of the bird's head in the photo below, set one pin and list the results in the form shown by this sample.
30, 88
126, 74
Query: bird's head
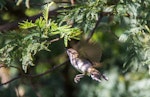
72, 53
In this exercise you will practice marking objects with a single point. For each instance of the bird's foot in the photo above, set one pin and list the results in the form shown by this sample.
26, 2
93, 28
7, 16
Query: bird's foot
78, 77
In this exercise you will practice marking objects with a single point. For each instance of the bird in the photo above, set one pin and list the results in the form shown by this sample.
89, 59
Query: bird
85, 66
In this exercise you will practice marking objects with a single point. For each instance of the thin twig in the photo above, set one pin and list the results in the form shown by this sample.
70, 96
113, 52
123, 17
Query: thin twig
18, 77
48, 71
54, 40
32, 76
37, 4
14, 25
96, 24
93, 30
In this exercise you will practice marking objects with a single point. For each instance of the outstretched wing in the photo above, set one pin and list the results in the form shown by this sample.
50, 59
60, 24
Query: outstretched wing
90, 51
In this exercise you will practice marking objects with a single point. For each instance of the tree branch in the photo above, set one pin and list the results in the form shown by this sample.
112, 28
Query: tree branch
40, 4
18, 77
54, 40
33, 76
96, 24
14, 25
93, 30
48, 71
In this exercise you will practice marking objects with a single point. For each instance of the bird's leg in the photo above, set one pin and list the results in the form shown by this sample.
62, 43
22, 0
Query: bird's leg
77, 77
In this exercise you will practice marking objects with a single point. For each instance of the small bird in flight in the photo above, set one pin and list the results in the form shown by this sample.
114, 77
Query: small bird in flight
84, 66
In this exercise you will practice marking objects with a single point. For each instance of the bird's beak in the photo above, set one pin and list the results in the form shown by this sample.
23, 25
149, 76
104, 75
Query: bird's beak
68, 51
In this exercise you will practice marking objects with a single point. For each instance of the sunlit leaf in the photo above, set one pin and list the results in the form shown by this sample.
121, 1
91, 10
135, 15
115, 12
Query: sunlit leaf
26, 24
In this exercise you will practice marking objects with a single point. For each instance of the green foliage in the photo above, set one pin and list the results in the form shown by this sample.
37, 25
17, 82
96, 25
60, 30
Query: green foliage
118, 86
136, 32
27, 24
138, 50
127, 20
26, 3
2, 4
131, 17
23, 46
83, 16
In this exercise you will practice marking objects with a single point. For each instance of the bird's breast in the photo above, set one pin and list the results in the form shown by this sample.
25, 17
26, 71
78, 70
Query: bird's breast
81, 65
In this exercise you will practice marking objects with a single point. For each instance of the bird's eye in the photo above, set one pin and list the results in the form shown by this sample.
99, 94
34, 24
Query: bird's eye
92, 75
